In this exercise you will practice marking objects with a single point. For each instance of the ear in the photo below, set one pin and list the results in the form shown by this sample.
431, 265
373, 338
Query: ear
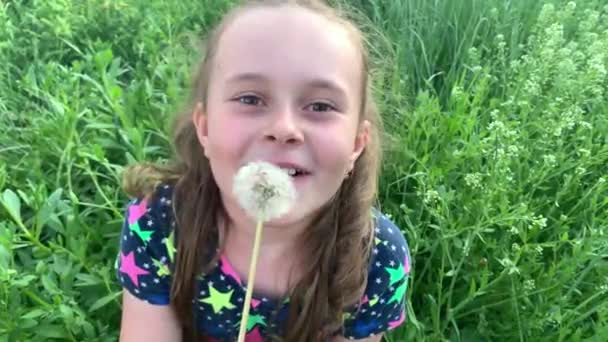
199, 119
361, 141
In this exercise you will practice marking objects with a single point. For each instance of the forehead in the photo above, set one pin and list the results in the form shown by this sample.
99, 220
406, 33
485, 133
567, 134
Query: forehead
288, 42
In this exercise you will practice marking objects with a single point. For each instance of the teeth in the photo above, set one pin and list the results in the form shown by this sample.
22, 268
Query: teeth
291, 171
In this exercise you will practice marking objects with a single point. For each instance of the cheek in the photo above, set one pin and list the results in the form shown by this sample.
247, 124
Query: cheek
225, 138
333, 151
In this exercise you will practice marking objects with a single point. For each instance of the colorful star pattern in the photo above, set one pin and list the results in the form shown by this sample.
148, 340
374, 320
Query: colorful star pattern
128, 266
218, 300
253, 320
147, 257
170, 245
163, 269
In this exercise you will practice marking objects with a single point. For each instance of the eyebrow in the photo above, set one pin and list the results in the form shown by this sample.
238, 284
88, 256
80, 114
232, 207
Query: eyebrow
247, 76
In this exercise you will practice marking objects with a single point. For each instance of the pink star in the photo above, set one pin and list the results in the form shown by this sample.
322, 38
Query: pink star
128, 266
137, 210
364, 300
254, 336
229, 270
406, 265
394, 324
255, 302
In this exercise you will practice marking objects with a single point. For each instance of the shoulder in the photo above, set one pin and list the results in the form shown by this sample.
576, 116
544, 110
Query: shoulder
151, 216
390, 242
383, 306
390, 263
147, 246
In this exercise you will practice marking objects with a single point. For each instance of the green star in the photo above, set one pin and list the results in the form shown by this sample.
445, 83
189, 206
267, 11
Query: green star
396, 274
399, 294
145, 235
218, 300
170, 245
253, 320
163, 270
346, 316
377, 241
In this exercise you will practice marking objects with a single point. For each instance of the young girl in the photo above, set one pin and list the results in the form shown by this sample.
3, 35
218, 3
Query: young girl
284, 82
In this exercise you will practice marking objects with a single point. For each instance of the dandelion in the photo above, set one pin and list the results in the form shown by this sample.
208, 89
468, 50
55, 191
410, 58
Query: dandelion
265, 192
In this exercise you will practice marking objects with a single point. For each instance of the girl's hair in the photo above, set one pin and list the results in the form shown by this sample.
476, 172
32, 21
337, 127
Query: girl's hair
339, 241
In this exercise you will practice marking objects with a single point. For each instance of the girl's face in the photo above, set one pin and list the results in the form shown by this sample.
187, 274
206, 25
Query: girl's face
285, 87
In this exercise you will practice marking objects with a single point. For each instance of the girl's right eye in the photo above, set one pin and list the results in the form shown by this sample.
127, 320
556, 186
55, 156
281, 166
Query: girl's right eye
249, 100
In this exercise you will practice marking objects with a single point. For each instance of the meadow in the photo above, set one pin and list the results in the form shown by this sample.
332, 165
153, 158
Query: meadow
496, 157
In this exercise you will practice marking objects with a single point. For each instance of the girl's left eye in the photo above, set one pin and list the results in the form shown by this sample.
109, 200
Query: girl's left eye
321, 107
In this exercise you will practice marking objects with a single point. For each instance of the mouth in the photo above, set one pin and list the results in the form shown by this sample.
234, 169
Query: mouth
293, 170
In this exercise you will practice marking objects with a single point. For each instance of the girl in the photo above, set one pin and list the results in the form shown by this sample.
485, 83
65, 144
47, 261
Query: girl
284, 82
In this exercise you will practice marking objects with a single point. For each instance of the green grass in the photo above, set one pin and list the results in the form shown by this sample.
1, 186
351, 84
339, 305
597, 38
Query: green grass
496, 164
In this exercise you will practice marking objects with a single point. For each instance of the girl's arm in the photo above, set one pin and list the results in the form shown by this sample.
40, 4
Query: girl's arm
146, 322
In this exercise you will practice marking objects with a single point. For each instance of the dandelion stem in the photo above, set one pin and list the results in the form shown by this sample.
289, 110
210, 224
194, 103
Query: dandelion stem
250, 281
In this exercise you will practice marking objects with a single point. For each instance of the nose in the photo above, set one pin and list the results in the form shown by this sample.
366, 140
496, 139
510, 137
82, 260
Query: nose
284, 128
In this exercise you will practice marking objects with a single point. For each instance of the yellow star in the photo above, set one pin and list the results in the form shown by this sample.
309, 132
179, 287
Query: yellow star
163, 269
170, 245
218, 300
373, 301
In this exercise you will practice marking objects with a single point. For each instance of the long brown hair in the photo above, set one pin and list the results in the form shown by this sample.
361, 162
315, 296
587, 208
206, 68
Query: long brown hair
339, 241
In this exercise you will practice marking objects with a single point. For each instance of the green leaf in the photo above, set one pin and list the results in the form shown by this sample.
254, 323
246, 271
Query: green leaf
48, 208
33, 314
23, 282
12, 204
52, 331
85, 279
103, 301
49, 284
67, 313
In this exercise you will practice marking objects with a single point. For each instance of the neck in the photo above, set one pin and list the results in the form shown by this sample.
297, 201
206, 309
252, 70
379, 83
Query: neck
279, 240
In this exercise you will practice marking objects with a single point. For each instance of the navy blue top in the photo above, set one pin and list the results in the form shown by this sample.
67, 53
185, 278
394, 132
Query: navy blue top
147, 253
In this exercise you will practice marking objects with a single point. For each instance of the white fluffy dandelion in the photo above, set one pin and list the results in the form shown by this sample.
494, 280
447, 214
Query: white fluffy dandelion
266, 192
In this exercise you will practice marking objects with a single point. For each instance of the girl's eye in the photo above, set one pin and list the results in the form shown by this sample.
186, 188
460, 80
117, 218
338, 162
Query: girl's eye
250, 100
321, 107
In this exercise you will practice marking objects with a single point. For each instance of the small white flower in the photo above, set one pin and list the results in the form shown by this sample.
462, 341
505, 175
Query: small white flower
529, 285
264, 190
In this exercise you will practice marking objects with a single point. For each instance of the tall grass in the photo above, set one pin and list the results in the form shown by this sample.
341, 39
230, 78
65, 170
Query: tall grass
496, 164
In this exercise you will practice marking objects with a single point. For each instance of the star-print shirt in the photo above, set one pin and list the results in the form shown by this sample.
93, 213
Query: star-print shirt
147, 255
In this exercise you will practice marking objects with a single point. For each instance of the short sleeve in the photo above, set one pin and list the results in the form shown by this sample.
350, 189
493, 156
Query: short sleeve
383, 308
143, 263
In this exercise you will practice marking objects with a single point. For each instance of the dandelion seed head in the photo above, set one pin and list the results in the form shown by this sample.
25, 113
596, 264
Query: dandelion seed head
264, 190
